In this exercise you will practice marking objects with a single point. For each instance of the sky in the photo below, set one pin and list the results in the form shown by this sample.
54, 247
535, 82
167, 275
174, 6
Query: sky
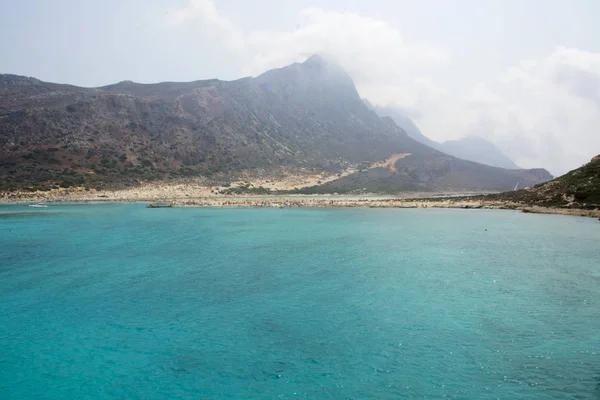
524, 74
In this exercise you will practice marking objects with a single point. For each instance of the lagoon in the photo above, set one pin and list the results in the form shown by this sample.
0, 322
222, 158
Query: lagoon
117, 301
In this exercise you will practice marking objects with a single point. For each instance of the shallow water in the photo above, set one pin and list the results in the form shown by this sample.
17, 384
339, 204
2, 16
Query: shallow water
123, 302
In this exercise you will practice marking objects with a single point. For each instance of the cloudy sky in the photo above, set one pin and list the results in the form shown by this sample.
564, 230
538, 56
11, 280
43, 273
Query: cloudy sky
524, 74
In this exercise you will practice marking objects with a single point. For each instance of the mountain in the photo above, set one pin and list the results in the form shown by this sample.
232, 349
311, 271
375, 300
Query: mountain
430, 172
305, 116
579, 188
406, 123
478, 149
472, 148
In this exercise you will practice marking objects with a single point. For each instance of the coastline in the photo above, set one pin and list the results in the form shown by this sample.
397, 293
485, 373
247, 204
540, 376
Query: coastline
366, 202
184, 196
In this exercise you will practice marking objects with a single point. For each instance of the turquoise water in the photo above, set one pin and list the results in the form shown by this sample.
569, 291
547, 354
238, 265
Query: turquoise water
124, 302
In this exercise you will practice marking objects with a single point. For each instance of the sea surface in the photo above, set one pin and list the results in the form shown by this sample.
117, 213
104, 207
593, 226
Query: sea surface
123, 302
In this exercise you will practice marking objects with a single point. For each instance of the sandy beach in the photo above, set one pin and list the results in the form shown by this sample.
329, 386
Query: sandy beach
374, 202
199, 195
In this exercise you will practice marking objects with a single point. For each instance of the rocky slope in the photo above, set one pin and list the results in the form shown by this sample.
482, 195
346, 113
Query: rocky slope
579, 188
306, 116
433, 172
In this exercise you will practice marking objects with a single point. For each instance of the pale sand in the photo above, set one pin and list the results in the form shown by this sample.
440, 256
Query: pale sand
291, 182
299, 181
148, 192
373, 202
281, 179
390, 162
198, 193
191, 195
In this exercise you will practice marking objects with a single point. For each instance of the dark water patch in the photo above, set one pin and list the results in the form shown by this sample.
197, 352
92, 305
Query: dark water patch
27, 214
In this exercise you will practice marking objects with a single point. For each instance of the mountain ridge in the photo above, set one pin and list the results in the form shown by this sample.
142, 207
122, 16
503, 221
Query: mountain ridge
478, 149
472, 148
307, 116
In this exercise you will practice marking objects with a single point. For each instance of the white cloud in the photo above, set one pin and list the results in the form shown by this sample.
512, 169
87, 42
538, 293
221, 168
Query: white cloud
543, 112
354, 40
383, 65
206, 15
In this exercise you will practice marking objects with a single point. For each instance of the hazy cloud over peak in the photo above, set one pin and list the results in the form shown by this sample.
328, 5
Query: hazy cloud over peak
205, 13
543, 112
538, 111
454, 67
355, 41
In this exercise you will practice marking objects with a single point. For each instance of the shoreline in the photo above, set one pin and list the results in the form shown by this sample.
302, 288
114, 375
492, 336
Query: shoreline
408, 203
297, 201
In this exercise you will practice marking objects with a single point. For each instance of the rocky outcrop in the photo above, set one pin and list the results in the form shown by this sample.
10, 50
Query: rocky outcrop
579, 188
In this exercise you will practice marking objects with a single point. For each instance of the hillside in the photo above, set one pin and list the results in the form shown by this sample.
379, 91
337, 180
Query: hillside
472, 148
437, 172
406, 123
579, 188
307, 117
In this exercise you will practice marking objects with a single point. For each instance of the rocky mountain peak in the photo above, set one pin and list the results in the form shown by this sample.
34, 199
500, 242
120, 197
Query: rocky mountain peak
327, 70
316, 74
18, 80
315, 60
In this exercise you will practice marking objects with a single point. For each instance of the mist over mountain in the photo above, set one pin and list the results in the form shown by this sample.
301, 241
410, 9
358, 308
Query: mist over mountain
472, 148
406, 123
306, 116
478, 149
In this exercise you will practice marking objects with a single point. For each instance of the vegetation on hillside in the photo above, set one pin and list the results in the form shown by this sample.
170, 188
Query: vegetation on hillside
579, 188
304, 116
